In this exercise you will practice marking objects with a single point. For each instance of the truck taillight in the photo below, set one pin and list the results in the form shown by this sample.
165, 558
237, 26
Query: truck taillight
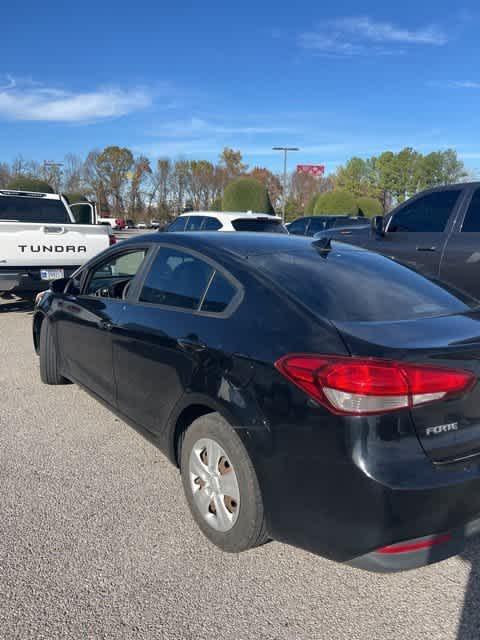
364, 386
112, 239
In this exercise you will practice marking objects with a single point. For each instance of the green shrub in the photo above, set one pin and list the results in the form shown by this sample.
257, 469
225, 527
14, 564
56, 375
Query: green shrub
370, 207
24, 183
247, 194
336, 202
216, 204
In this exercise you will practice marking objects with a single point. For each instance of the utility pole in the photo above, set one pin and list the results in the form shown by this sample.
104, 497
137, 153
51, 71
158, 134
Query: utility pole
285, 152
56, 169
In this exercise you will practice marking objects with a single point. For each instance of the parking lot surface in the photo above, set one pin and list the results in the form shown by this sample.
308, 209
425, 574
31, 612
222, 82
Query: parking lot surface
96, 541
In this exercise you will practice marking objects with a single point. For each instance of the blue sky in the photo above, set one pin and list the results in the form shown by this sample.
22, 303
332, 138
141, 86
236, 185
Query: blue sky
186, 79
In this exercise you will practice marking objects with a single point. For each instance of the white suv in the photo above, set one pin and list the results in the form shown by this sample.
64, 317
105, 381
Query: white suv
227, 221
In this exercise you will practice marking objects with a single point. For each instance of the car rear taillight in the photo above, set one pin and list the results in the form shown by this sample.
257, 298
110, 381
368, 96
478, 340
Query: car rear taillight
112, 239
364, 386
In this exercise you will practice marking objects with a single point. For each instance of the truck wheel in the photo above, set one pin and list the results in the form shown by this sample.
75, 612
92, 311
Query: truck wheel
49, 373
221, 485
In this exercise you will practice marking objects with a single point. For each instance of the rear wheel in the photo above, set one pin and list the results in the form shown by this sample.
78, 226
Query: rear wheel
221, 485
49, 372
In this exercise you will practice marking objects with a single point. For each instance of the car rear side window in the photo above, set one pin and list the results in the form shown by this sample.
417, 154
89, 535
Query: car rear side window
211, 224
359, 286
24, 209
219, 295
178, 224
426, 214
258, 224
176, 279
471, 224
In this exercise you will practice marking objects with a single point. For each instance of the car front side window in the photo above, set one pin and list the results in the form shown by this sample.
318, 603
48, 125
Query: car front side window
176, 279
111, 278
471, 224
427, 214
297, 227
178, 224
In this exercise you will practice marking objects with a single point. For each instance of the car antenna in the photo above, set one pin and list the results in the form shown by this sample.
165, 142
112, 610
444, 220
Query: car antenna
323, 244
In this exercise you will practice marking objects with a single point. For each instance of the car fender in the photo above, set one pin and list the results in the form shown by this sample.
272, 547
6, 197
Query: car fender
255, 433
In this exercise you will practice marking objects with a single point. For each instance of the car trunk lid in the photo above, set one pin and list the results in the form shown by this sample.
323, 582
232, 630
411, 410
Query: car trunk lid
449, 430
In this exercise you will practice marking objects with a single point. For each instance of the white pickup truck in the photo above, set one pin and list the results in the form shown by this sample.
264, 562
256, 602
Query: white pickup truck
40, 240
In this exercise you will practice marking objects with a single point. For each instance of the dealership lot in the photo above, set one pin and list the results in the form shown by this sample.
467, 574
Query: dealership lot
96, 541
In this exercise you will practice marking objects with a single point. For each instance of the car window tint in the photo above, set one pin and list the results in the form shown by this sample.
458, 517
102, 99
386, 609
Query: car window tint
259, 224
194, 223
298, 227
211, 224
317, 224
429, 213
121, 267
176, 279
219, 295
352, 222
471, 223
355, 285
178, 224
25, 209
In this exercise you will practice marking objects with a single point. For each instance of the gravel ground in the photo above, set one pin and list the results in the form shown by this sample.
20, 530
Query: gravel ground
96, 542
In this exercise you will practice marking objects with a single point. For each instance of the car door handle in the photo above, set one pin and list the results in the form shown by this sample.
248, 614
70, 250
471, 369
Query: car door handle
105, 325
191, 345
430, 249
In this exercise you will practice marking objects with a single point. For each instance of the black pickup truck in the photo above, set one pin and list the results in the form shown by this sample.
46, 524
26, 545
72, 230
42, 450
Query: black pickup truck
437, 232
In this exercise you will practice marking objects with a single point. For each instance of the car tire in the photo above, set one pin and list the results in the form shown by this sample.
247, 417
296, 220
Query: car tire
49, 372
240, 522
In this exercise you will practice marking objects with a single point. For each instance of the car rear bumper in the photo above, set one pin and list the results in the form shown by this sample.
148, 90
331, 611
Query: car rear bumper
27, 279
345, 489
417, 553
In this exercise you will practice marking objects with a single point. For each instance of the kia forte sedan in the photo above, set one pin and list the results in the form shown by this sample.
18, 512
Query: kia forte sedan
320, 395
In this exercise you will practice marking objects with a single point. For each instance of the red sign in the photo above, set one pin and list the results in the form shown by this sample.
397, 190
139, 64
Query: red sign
316, 170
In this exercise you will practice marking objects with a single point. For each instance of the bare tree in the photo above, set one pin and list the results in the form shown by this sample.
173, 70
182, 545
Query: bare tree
141, 170
73, 174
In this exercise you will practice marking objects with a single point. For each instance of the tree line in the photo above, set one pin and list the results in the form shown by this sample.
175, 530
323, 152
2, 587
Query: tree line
132, 186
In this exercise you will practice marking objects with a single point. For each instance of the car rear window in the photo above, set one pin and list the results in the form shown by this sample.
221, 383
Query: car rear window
359, 286
25, 209
258, 224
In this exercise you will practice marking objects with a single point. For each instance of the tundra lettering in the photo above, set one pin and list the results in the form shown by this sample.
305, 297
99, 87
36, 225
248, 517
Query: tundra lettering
45, 248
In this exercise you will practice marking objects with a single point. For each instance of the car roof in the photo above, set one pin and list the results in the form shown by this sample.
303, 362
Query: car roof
239, 243
29, 194
229, 215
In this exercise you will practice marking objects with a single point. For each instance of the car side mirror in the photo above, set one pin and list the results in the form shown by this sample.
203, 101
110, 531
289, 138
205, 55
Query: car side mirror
378, 226
58, 286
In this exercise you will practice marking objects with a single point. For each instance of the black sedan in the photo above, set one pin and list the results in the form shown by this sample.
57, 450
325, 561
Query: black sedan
317, 394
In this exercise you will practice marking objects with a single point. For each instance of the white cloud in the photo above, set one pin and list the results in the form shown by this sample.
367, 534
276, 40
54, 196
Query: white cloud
465, 85
29, 101
361, 35
197, 127
211, 147
387, 32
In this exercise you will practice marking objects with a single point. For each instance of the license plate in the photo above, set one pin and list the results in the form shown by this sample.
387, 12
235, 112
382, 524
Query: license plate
52, 274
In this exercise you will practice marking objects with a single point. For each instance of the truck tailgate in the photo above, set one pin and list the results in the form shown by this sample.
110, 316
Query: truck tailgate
35, 244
